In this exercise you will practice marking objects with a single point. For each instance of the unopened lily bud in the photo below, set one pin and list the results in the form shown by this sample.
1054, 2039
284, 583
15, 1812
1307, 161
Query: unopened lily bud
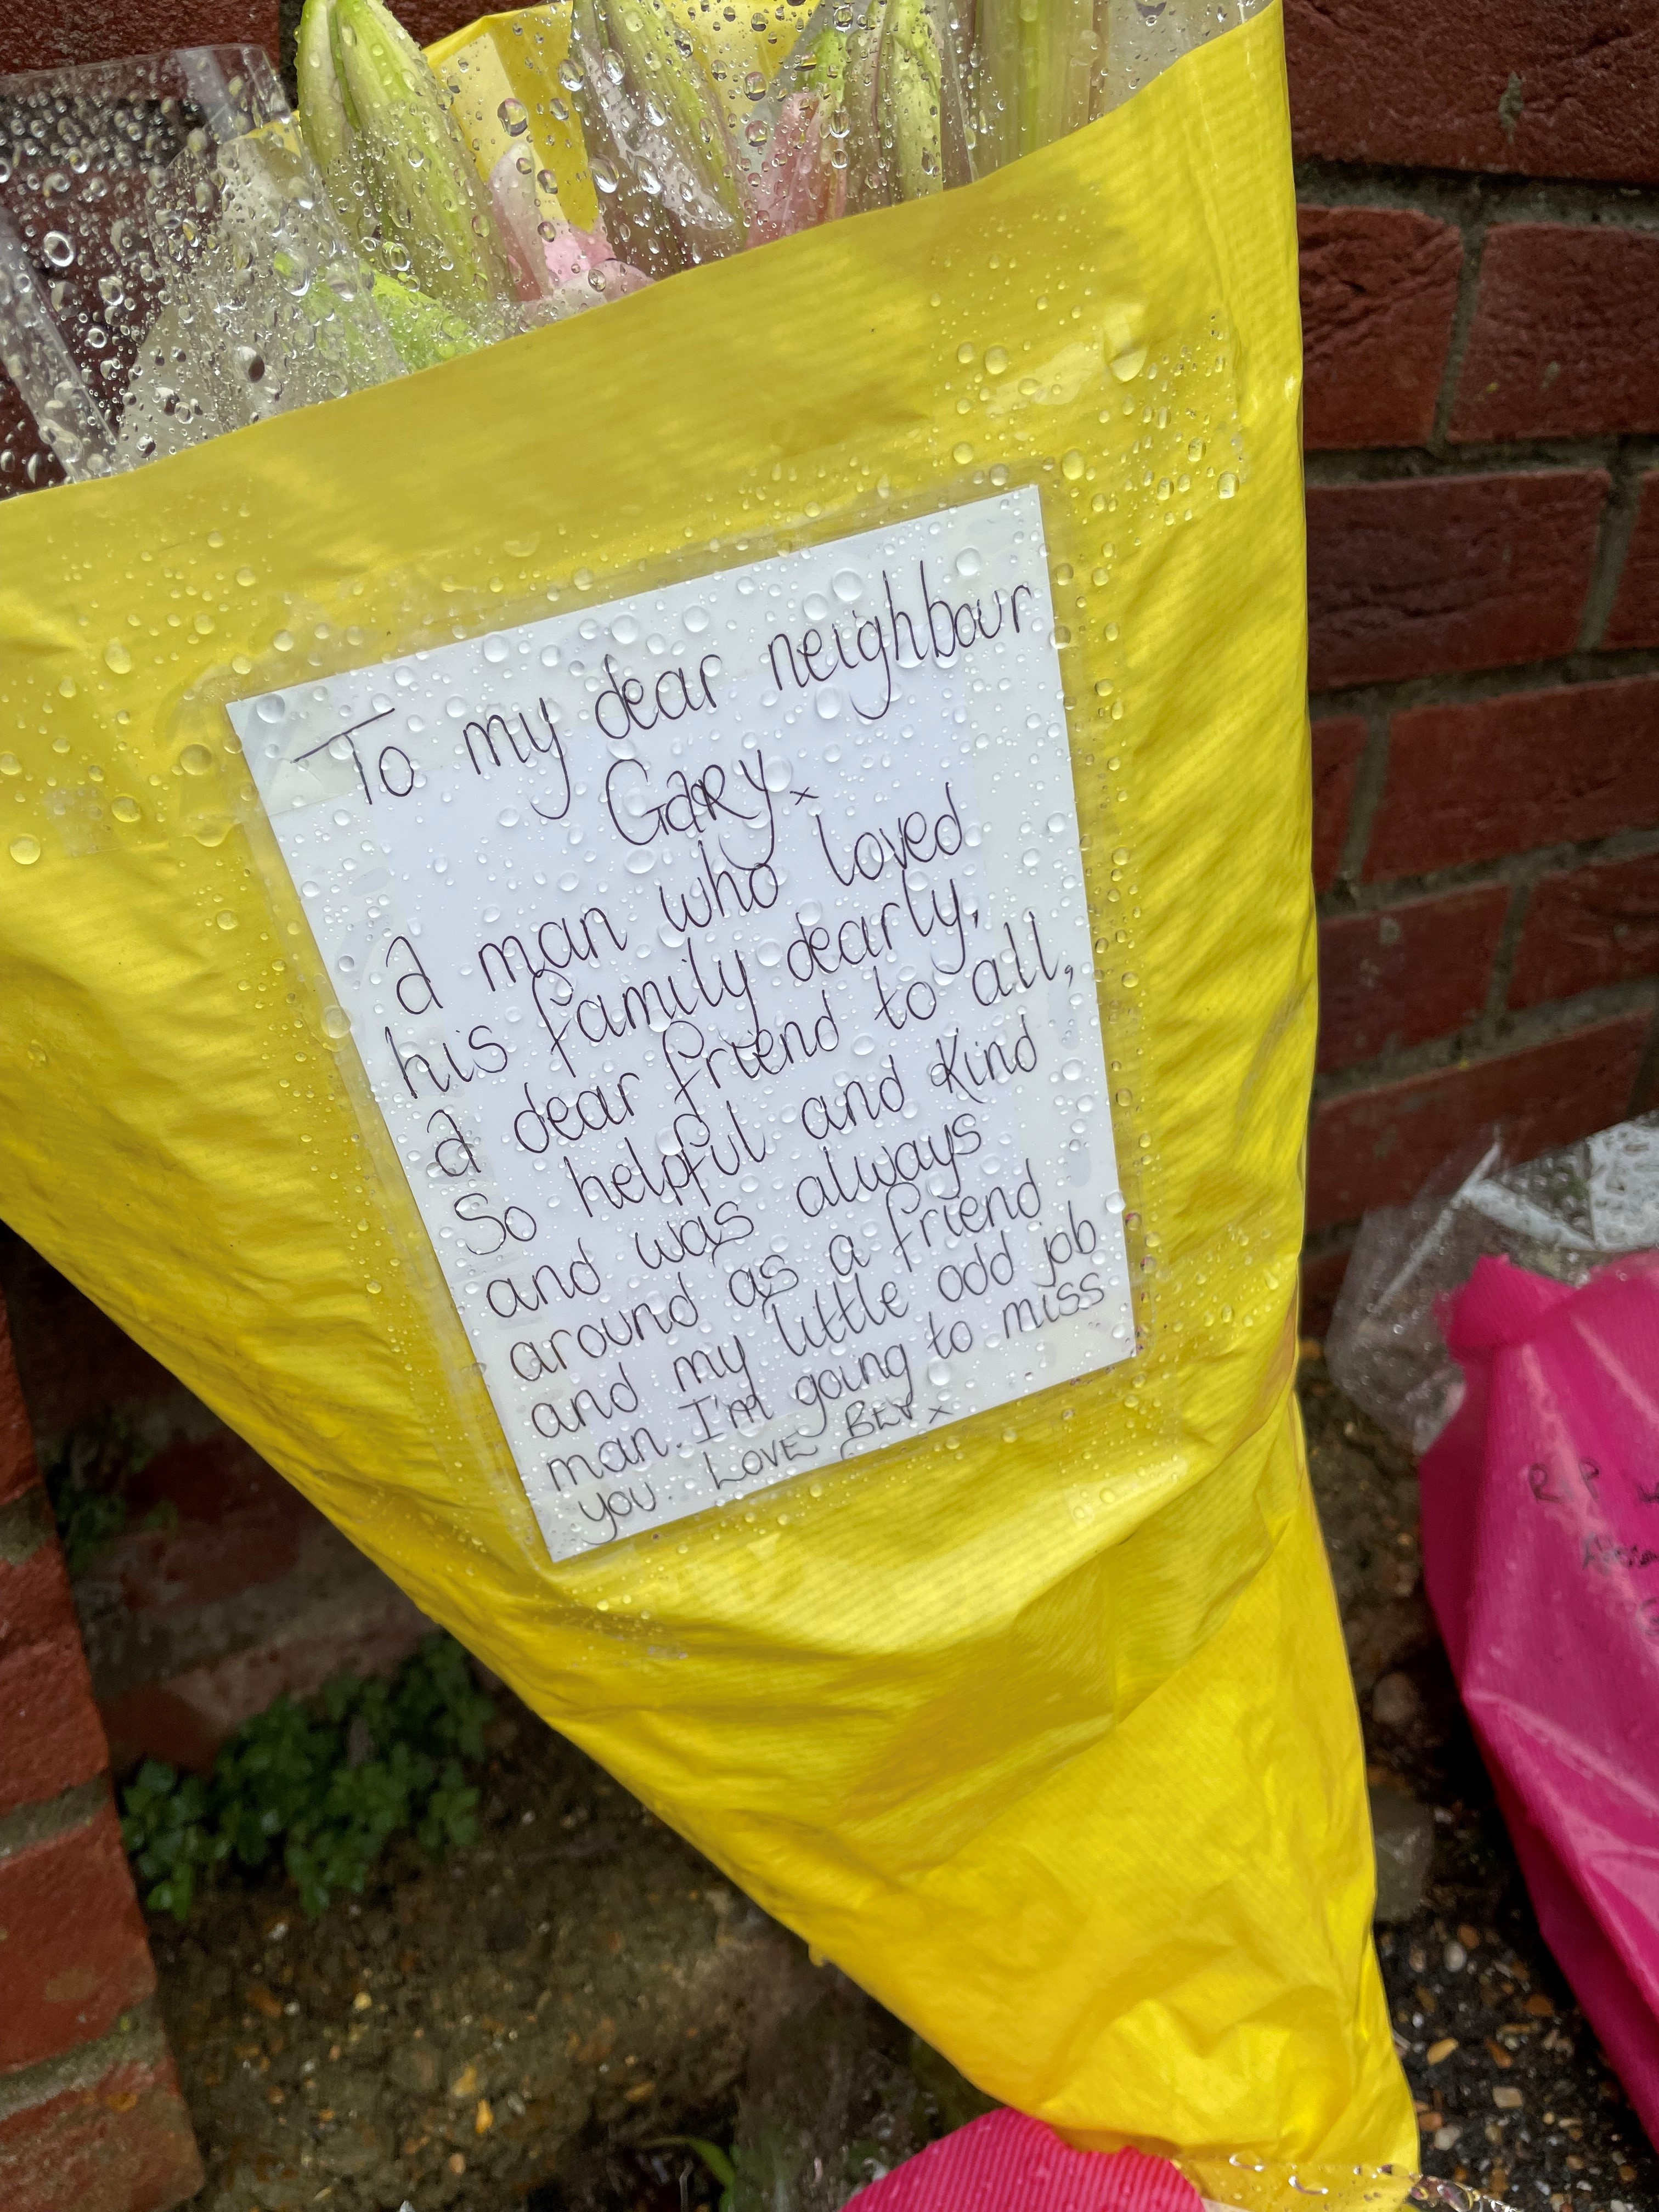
909, 99
435, 216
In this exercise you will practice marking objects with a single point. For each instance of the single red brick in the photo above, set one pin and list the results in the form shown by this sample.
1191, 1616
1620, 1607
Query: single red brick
1321, 1278
1587, 927
1379, 1147
18, 1469
1565, 330
36, 38
123, 2144
1379, 286
35, 1598
1339, 745
1524, 86
1404, 975
1502, 776
428, 21
48, 1722
1426, 574
74, 1952
1634, 621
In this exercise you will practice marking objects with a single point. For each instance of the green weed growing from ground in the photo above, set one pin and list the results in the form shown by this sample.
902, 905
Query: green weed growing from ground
319, 1785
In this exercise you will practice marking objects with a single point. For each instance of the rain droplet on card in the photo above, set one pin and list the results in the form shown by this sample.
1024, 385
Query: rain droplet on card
768, 953
846, 583
969, 561
508, 817
696, 620
937, 1373
549, 656
829, 703
625, 630
271, 709
495, 649
778, 774
1056, 824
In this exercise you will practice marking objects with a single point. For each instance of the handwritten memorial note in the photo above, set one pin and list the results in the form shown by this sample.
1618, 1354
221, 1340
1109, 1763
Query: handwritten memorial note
720, 960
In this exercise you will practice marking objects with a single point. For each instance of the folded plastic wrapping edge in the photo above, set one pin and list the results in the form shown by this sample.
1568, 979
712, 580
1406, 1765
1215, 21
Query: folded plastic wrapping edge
1180, 1647
1562, 1214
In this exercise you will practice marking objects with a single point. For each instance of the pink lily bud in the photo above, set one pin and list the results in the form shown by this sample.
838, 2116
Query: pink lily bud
798, 185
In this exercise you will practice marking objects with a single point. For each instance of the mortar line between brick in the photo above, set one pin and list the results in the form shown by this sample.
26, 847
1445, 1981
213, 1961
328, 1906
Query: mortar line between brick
25, 1524
1454, 687
1368, 788
1521, 1031
1509, 940
25, 1826
138, 2040
1612, 544
1452, 372
1356, 898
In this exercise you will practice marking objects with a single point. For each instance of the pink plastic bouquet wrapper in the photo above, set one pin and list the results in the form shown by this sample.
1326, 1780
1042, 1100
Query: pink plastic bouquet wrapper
1540, 1537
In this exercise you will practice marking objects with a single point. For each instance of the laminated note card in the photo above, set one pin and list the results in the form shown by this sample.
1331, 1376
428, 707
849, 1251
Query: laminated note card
720, 960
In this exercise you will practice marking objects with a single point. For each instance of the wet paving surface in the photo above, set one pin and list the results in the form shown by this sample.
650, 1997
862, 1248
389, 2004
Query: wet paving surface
560, 2016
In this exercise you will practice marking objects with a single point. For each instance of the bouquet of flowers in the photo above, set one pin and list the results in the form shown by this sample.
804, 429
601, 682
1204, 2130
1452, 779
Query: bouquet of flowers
181, 253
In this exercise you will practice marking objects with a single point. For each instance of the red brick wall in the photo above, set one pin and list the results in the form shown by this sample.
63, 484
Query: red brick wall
91, 2119
1480, 295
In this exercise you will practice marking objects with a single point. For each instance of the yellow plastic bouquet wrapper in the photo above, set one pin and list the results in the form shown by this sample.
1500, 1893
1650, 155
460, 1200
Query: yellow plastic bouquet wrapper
1040, 1725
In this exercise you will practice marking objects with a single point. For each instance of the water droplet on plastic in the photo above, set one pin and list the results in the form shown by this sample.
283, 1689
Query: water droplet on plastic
57, 249
10, 765
337, 1023
513, 115
1072, 465
117, 656
226, 918
25, 850
961, 453
125, 810
1226, 484
196, 760
1128, 365
996, 360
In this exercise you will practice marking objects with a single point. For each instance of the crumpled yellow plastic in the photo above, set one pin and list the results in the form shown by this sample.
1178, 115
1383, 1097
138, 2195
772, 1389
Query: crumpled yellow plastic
1041, 1727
